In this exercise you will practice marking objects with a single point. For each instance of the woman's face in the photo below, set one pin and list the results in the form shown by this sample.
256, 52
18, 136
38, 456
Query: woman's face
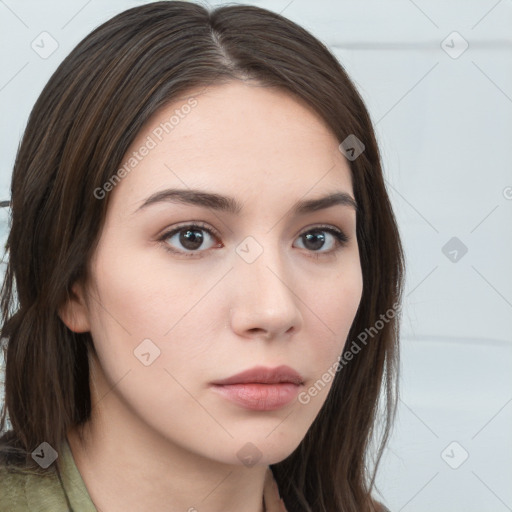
186, 289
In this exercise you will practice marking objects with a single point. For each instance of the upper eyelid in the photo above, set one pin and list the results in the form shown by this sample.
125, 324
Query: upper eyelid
196, 224
322, 226
206, 227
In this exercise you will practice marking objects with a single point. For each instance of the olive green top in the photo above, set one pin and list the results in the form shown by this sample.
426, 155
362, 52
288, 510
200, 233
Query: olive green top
22, 491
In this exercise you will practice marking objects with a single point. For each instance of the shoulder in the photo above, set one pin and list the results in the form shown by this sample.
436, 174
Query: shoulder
25, 490
12, 490
58, 488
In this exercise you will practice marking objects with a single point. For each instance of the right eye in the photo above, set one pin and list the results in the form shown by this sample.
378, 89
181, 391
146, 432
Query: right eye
190, 239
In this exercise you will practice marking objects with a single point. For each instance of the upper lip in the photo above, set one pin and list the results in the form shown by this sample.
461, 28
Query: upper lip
264, 375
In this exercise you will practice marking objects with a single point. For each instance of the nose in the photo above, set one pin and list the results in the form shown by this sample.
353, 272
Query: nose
264, 303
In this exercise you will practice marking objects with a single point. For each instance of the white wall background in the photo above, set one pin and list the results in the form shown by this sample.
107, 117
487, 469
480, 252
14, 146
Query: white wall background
444, 122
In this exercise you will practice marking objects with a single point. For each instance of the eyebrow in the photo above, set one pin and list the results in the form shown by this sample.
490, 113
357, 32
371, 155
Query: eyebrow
231, 205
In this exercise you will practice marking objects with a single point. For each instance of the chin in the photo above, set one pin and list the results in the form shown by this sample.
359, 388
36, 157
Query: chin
264, 449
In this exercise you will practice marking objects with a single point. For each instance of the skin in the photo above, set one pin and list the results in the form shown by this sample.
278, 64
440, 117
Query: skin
159, 438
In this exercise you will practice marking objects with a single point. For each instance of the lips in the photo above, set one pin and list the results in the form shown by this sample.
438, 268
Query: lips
261, 388
264, 375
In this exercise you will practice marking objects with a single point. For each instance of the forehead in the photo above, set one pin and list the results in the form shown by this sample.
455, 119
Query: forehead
239, 137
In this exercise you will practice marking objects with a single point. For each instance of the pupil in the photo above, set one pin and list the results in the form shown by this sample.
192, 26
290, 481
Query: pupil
191, 239
315, 239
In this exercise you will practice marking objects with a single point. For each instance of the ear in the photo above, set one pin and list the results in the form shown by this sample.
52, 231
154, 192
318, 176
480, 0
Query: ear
74, 312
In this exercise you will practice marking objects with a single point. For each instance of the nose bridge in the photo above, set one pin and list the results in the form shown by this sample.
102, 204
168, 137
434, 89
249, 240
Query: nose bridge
259, 263
265, 299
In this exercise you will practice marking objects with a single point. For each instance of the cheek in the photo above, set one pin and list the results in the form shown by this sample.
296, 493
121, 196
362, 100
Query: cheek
334, 304
146, 296
152, 298
142, 329
337, 297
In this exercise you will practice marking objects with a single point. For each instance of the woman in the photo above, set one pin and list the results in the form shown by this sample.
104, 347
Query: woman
200, 306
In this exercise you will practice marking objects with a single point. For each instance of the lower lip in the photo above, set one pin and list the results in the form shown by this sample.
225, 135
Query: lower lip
259, 397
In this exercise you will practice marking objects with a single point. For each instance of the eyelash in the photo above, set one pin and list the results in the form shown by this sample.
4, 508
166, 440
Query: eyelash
341, 239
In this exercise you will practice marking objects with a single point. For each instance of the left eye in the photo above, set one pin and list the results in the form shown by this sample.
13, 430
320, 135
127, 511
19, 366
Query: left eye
322, 238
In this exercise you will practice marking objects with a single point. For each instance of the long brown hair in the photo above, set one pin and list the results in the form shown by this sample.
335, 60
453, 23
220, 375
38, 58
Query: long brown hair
78, 132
